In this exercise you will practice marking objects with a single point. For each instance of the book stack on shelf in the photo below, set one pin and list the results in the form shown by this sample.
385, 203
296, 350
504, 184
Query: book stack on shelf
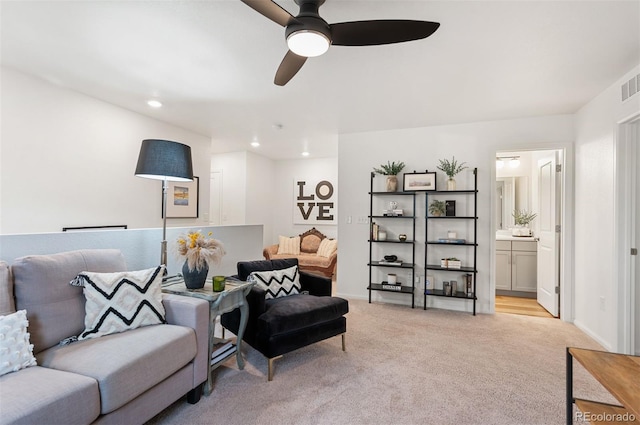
452, 240
391, 287
393, 213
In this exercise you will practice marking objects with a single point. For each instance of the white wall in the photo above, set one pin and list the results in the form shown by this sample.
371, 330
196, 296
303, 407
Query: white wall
420, 149
68, 160
596, 301
283, 201
260, 193
140, 247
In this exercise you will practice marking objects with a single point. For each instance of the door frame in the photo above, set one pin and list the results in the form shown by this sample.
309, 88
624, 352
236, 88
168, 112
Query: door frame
567, 310
624, 205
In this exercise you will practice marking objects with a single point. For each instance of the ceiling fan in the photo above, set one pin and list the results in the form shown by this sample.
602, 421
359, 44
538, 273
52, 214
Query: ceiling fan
308, 35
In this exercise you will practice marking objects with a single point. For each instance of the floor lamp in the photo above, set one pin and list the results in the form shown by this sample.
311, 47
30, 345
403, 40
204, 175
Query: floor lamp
167, 161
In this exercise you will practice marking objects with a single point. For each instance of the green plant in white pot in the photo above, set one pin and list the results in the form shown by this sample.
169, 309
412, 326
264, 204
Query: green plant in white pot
451, 168
391, 170
522, 219
437, 208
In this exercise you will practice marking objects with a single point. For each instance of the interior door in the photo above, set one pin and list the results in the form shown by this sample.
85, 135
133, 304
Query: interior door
548, 246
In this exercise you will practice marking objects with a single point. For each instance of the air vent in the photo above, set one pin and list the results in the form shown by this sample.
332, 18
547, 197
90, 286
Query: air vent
631, 87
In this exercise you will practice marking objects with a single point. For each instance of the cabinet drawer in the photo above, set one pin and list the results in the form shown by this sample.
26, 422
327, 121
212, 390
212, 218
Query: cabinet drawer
503, 245
531, 246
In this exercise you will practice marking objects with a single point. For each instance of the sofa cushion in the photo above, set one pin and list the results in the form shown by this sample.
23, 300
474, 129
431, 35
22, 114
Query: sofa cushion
327, 247
16, 352
7, 304
39, 395
299, 311
125, 364
290, 246
116, 302
55, 309
278, 283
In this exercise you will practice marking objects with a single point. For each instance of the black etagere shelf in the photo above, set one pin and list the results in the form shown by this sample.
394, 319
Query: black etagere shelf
470, 270
375, 264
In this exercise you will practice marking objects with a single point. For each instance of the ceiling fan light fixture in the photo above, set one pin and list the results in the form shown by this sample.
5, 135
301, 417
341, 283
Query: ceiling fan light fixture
308, 43
514, 162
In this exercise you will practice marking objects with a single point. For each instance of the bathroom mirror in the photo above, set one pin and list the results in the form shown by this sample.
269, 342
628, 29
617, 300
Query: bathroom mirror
511, 193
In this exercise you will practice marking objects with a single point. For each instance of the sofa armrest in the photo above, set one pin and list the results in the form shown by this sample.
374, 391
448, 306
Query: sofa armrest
316, 285
192, 313
269, 251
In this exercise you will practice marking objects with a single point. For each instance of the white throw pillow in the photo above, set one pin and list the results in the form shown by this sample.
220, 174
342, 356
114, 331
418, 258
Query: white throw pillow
327, 247
116, 302
16, 351
278, 283
290, 246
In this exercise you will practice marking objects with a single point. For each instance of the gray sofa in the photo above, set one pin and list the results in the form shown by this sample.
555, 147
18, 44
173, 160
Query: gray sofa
123, 378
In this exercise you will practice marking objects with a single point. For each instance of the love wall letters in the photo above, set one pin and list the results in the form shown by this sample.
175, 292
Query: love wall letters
314, 202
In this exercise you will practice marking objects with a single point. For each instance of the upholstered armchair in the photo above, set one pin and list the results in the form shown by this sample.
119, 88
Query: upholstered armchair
278, 326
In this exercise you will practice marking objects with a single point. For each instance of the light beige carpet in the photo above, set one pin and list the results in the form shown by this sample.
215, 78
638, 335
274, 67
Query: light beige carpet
406, 366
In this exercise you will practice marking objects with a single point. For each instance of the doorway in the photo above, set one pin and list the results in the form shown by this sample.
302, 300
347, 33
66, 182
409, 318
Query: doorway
528, 194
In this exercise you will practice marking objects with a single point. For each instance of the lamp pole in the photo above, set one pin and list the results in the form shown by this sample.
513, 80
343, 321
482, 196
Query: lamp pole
163, 249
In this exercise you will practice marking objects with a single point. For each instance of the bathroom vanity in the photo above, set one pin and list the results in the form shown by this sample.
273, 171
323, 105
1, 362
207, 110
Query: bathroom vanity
516, 266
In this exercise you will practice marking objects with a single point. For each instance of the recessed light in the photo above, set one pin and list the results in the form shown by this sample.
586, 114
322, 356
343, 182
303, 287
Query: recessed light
255, 144
305, 153
154, 103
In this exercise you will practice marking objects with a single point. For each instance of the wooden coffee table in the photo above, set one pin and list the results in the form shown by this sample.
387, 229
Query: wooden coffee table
619, 374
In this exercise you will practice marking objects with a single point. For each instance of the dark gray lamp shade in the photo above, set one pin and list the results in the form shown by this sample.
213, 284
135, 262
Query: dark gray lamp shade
164, 159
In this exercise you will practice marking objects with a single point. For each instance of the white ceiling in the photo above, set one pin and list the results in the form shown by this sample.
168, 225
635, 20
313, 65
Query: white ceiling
212, 64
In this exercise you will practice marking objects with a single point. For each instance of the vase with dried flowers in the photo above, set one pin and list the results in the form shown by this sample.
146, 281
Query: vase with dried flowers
199, 252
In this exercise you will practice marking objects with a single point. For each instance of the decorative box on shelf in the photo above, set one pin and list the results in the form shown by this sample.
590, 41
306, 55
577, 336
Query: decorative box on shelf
450, 263
454, 264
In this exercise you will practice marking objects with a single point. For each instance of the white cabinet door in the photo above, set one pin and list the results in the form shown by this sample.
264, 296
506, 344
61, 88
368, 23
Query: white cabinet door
524, 271
503, 270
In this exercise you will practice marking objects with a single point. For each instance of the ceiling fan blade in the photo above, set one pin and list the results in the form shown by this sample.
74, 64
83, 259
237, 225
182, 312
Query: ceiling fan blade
271, 10
289, 67
371, 33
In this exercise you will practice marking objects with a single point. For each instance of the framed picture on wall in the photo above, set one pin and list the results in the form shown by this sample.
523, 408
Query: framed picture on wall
183, 199
419, 182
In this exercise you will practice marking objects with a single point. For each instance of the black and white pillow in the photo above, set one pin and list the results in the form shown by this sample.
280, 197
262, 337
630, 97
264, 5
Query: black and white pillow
278, 283
116, 302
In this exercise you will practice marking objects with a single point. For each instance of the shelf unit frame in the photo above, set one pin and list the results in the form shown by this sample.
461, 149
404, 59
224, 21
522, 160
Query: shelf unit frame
472, 270
374, 286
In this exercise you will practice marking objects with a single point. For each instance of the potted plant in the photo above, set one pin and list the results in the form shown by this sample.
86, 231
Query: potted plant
522, 220
199, 252
437, 208
451, 168
391, 170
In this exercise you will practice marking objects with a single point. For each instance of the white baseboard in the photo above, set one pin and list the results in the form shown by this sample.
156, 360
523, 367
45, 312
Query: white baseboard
578, 324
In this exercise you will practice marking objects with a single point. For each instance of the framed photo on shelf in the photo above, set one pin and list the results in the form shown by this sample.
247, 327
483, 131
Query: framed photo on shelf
183, 199
450, 208
419, 182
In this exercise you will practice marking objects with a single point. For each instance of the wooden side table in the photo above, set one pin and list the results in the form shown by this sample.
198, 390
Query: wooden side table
234, 296
619, 374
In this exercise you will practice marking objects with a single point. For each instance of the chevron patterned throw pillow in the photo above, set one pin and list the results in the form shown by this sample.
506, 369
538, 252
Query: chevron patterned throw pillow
116, 302
278, 283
